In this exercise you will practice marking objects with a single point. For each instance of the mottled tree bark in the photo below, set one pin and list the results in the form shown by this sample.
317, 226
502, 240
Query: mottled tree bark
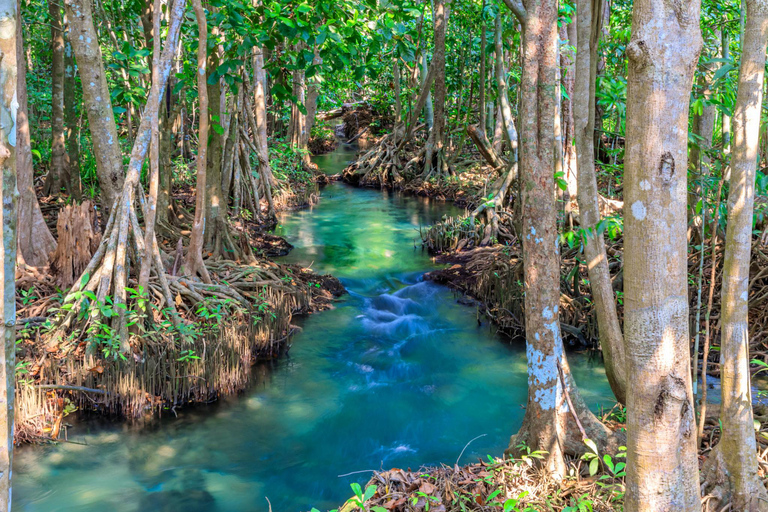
609, 329
662, 469
35, 241
734, 459
568, 33
71, 119
549, 423
194, 260
505, 107
58, 171
481, 104
435, 142
9, 21
214, 200
154, 160
96, 99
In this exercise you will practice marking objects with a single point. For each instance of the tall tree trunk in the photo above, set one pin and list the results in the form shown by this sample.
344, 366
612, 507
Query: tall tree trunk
71, 119
734, 459
568, 65
429, 113
194, 260
505, 107
481, 106
611, 338
662, 468
215, 204
257, 117
436, 136
35, 241
726, 119
396, 80
9, 30
154, 159
553, 399
97, 101
58, 171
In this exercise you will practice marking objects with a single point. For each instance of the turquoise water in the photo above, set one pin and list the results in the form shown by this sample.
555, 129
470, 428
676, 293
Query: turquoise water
397, 375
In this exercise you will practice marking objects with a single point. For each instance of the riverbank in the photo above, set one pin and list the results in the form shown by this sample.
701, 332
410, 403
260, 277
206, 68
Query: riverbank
187, 342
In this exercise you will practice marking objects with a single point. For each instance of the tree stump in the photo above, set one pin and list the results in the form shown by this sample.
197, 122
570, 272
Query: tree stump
78, 241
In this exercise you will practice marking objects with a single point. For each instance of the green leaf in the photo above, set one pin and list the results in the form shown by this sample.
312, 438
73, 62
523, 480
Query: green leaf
593, 466
369, 492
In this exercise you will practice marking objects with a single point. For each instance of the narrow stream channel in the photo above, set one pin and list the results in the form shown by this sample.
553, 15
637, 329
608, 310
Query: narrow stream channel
397, 375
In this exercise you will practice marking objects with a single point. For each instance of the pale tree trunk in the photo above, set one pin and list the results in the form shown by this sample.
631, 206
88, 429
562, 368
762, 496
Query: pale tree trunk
58, 171
9, 21
505, 107
553, 398
35, 241
734, 460
71, 119
434, 146
609, 329
568, 73
726, 119
490, 107
214, 202
481, 107
154, 160
297, 125
313, 92
702, 125
96, 99
194, 260
257, 118
662, 468
396, 78
429, 113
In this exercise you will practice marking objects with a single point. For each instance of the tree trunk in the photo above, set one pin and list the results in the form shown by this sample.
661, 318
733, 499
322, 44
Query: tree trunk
429, 113
9, 25
35, 241
214, 202
737, 448
726, 119
553, 399
662, 468
611, 338
97, 101
154, 159
194, 261
505, 107
71, 119
703, 125
58, 171
568, 65
434, 146
481, 107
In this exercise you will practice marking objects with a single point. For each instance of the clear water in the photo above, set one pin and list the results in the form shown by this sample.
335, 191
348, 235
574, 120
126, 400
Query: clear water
397, 375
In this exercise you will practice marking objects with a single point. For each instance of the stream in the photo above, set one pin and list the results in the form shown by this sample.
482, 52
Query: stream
399, 374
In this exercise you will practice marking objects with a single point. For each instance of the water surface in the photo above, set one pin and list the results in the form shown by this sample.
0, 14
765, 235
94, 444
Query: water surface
397, 375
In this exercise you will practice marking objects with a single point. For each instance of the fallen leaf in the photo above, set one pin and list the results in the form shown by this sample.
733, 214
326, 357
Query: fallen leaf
178, 300
427, 488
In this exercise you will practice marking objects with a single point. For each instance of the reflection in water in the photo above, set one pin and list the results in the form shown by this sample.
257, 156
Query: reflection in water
398, 374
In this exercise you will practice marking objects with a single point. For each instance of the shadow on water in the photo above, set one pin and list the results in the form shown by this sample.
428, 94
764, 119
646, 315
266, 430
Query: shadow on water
397, 375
